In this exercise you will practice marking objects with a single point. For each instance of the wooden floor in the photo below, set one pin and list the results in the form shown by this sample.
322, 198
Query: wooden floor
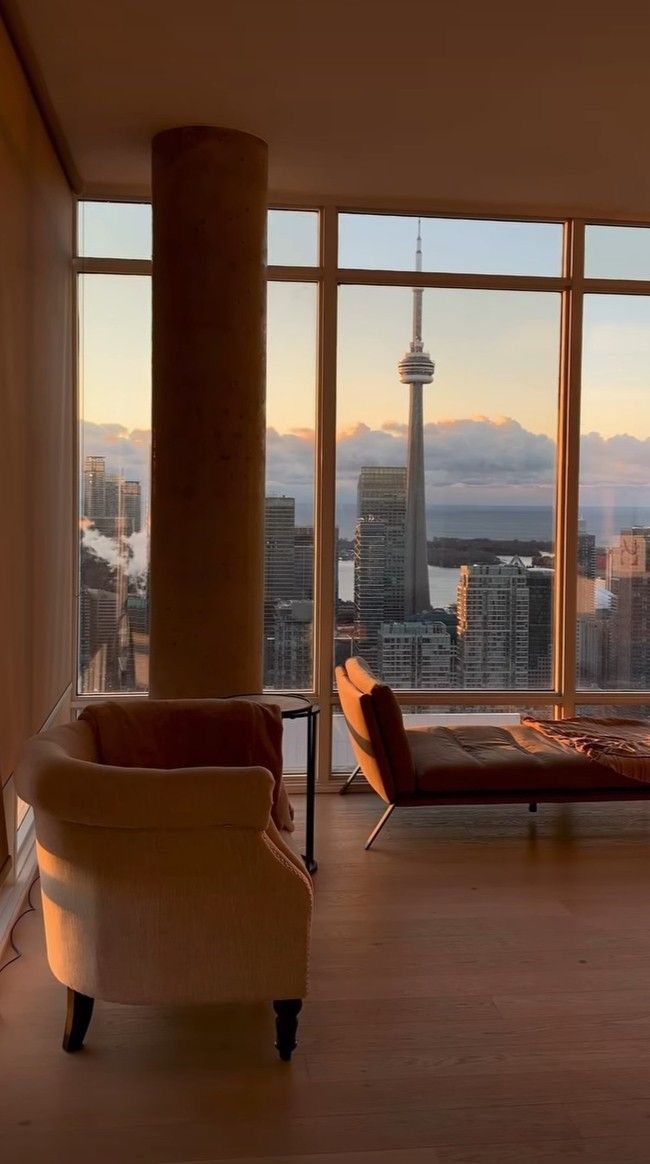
480, 993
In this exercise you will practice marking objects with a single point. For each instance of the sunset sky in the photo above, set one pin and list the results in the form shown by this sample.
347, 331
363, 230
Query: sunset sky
491, 411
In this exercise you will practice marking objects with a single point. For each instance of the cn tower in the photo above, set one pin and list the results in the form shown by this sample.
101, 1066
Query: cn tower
415, 369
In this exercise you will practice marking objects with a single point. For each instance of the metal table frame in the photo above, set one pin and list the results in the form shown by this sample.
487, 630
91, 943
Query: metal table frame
303, 708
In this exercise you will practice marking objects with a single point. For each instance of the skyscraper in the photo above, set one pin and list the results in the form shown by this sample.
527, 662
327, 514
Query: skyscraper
279, 569
416, 654
493, 605
369, 575
415, 369
628, 578
381, 494
94, 494
540, 626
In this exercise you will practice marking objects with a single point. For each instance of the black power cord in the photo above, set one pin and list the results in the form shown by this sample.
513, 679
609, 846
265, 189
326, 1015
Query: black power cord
30, 907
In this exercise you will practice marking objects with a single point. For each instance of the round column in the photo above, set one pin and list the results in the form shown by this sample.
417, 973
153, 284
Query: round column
207, 503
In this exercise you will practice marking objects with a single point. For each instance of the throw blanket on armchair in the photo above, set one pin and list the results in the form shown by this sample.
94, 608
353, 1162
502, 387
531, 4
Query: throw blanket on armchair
620, 744
158, 733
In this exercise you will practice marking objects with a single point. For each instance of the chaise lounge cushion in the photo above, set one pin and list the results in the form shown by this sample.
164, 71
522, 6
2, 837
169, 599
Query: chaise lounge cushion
502, 759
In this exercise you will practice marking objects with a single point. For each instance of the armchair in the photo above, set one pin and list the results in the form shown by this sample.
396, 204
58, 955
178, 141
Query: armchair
168, 885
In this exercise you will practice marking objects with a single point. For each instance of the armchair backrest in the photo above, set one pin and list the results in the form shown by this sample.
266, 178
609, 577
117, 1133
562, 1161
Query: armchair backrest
376, 727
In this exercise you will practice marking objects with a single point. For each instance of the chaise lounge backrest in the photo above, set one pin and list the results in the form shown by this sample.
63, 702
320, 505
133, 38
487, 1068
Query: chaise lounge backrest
376, 727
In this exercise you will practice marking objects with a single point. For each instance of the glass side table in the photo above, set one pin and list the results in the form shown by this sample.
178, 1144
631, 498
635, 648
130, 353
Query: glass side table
299, 707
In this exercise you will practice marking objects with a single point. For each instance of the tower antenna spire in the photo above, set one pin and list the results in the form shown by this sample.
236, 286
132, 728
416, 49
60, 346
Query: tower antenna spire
416, 368
416, 343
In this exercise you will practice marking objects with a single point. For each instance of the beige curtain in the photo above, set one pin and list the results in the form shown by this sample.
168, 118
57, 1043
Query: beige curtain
36, 423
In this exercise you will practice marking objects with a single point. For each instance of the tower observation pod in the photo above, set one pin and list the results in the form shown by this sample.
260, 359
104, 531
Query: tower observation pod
416, 368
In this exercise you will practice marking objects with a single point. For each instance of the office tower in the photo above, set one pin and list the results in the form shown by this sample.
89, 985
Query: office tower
586, 551
540, 626
369, 577
381, 494
106, 660
292, 637
304, 562
493, 603
279, 569
94, 487
132, 504
415, 654
279, 549
628, 578
595, 643
111, 503
416, 368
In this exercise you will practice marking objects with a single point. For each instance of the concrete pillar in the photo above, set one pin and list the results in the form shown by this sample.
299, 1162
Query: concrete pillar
207, 502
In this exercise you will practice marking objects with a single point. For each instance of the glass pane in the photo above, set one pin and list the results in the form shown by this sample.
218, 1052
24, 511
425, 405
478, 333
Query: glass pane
289, 561
122, 230
293, 238
614, 531
446, 570
617, 252
480, 246
115, 442
114, 230
620, 710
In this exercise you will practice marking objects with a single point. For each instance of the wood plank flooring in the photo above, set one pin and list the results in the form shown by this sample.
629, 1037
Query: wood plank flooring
480, 995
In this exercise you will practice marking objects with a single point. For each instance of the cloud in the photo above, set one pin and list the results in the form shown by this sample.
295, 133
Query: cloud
470, 457
126, 450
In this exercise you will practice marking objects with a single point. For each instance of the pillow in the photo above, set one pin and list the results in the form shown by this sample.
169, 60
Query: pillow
192, 733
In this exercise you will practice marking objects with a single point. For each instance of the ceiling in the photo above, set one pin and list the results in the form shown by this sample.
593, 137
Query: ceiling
538, 108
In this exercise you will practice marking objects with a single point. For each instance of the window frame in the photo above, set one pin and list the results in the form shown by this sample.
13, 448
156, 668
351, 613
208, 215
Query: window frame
572, 286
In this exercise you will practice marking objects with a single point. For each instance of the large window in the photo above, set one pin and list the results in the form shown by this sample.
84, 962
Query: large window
446, 484
457, 414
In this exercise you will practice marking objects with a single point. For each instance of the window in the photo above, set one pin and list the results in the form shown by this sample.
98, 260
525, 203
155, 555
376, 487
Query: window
449, 575
613, 601
115, 446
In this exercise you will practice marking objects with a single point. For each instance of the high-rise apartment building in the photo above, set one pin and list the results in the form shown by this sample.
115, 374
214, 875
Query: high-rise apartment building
493, 609
415, 654
292, 644
586, 551
540, 627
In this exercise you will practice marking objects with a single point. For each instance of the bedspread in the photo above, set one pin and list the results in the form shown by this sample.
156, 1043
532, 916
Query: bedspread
620, 744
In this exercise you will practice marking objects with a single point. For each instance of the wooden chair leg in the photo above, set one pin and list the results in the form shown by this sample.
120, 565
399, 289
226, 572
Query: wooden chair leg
344, 787
77, 1020
286, 1025
378, 827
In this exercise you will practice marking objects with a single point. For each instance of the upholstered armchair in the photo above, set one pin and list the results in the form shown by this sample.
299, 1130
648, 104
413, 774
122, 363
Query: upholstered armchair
164, 877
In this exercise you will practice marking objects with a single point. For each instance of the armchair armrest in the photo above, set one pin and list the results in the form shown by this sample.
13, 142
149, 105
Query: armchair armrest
87, 793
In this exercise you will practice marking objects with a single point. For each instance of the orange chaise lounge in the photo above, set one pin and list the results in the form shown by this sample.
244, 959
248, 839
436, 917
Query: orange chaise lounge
413, 767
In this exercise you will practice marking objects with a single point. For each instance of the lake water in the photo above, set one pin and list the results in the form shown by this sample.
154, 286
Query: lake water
443, 582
